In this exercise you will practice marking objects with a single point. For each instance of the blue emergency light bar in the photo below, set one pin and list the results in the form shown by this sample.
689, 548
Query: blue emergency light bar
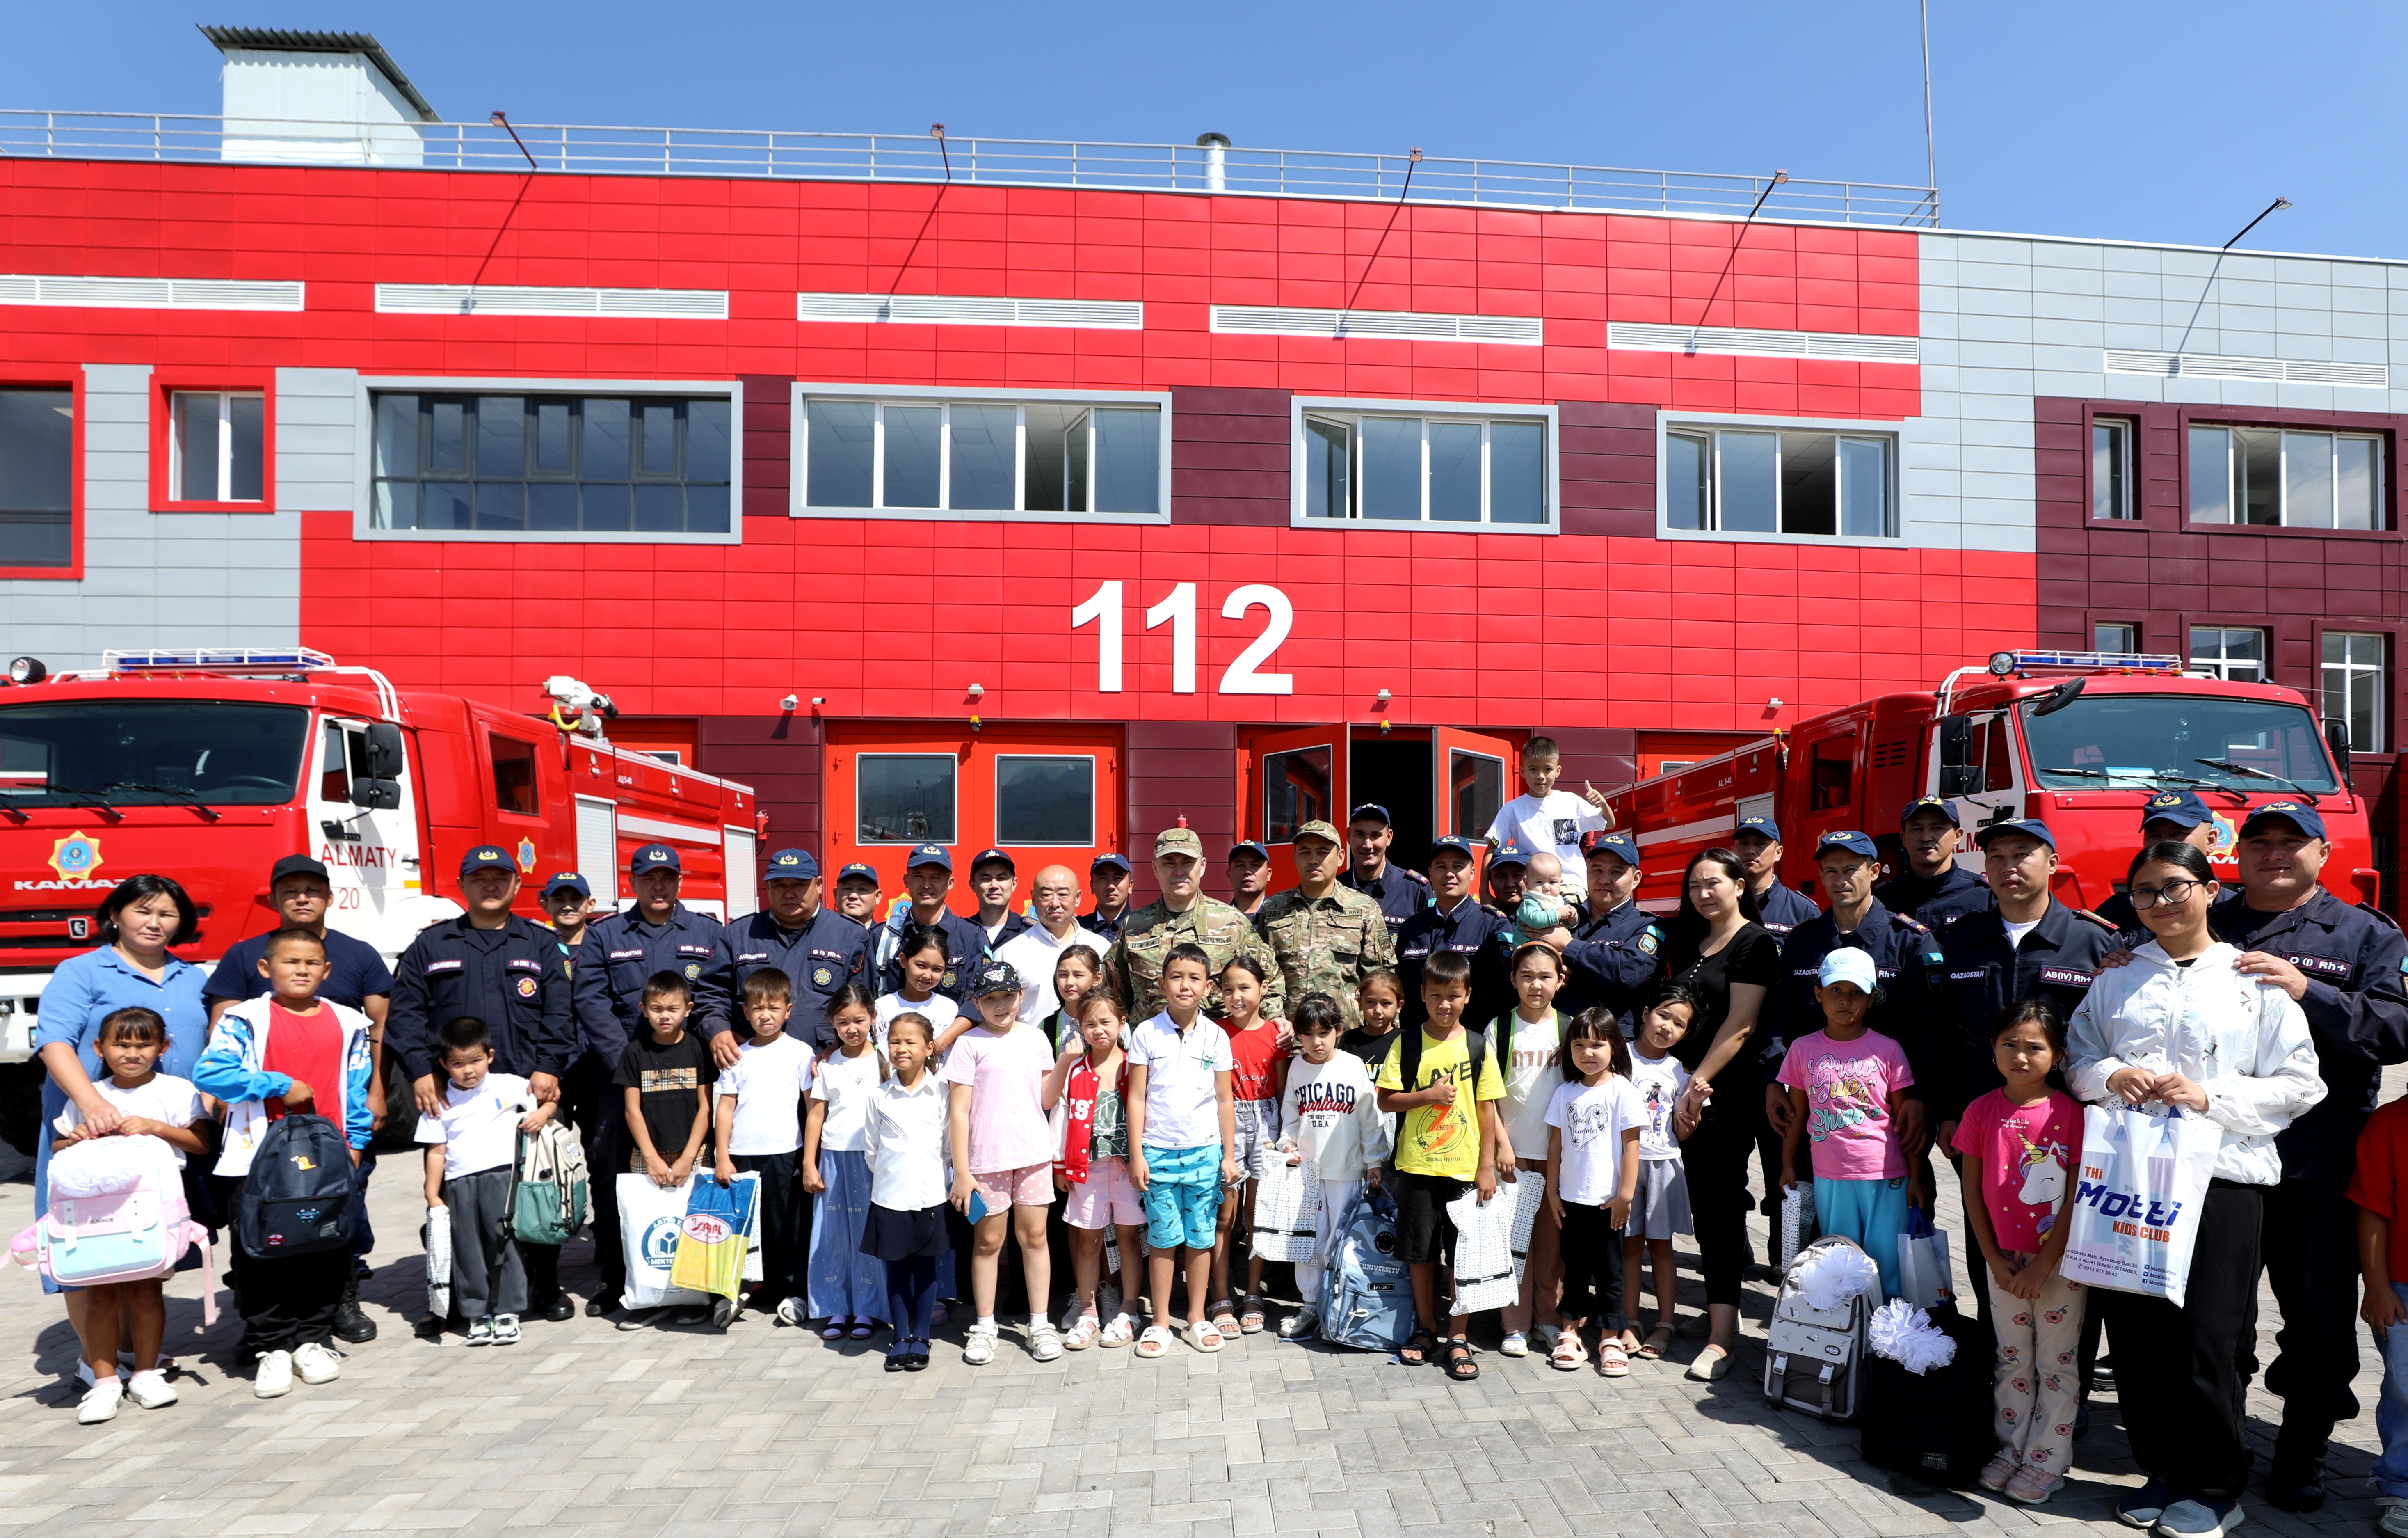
2004, 663
217, 659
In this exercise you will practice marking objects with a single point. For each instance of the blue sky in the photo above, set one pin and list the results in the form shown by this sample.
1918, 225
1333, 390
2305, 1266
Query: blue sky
2136, 120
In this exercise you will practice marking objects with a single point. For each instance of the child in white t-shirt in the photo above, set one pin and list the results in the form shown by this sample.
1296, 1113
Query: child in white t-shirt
1330, 1118
759, 1124
471, 1153
1547, 818
848, 1288
1660, 1208
1528, 1040
1592, 1173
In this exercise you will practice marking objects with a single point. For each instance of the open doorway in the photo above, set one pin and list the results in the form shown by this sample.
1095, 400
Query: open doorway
1394, 770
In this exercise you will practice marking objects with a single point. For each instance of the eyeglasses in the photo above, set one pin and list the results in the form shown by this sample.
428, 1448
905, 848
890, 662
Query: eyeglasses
2170, 894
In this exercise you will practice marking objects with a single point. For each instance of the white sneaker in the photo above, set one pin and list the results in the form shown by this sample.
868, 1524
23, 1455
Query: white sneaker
480, 1332
274, 1377
151, 1390
1300, 1324
1044, 1342
2394, 1520
505, 1329
100, 1403
979, 1349
317, 1364
1515, 1343
794, 1311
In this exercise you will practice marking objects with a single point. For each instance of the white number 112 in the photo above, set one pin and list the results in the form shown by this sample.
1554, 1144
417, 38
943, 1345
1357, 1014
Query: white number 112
1106, 609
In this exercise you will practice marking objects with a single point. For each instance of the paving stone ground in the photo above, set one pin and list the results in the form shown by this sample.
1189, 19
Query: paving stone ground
767, 1431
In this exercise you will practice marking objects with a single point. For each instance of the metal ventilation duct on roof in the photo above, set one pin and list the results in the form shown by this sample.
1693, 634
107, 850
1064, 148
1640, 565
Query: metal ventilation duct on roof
2204, 366
149, 292
1384, 324
659, 304
1751, 342
954, 310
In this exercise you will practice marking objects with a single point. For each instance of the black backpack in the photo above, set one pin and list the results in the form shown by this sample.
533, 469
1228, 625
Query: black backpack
1940, 1425
298, 1198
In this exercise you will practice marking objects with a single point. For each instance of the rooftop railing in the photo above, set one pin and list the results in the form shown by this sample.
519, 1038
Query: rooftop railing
602, 150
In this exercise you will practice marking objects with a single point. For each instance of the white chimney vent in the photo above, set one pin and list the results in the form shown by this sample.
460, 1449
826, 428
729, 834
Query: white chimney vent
328, 98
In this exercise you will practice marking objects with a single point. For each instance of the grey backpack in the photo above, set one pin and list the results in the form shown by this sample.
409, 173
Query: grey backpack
1813, 1359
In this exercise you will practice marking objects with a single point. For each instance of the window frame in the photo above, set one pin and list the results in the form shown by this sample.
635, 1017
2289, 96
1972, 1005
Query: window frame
1546, 417
953, 835
1670, 423
165, 386
798, 450
28, 377
2265, 656
1094, 763
2381, 671
363, 456
2386, 492
2132, 639
2129, 427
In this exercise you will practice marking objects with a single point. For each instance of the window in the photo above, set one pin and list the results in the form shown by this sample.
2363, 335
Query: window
1295, 791
1044, 799
1762, 480
1834, 772
2111, 463
2171, 741
2108, 635
2354, 686
1460, 471
1475, 792
552, 464
905, 798
333, 766
2238, 656
2277, 478
981, 456
36, 478
217, 446
513, 774
150, 753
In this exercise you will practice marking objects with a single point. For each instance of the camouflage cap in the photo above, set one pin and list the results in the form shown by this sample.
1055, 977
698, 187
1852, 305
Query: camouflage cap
1319, 829
1177, 841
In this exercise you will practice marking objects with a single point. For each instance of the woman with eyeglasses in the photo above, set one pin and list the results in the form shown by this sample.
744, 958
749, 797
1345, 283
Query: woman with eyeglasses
2181, 1029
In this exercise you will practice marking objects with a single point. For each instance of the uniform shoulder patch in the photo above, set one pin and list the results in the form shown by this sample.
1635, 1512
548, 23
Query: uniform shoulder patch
1908, 922
2389, 921
2085, 912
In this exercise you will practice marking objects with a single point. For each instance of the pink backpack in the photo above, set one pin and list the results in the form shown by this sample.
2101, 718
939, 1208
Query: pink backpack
117, 1213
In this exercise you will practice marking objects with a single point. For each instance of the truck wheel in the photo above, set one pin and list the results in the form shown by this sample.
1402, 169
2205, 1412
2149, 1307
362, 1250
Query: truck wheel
20, 1105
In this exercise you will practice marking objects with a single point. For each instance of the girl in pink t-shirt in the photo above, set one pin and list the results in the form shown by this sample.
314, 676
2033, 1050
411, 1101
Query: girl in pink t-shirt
2021, 1146
1847, 1085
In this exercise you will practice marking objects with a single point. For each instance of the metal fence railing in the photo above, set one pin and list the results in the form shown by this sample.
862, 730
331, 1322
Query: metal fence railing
904, 157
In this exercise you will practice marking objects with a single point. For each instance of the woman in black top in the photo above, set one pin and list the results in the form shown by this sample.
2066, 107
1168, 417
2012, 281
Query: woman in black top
1720, 953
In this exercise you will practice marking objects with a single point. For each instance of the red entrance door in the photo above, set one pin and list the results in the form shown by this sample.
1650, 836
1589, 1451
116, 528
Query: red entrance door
1292, 777
1476, 774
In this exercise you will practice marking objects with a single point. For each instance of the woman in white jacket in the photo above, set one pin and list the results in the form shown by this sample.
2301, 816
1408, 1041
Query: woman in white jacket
2178, 1027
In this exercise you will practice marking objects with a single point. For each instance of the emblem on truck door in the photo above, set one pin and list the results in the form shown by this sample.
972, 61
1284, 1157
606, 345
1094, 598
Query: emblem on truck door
76, 856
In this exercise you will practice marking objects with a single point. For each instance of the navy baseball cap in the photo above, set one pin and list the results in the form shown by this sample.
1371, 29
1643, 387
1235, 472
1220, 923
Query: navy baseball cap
1941, 804
653, 856
1373, 809
2030, 828
1118, 862
995, 977
1763, 826
791, 865
1511, 854
1849, 839
568, 881
1248, 846
297, 864
929, 854
993, 856
2303, 818
2183, 807
858, 868
1620, 845
1454, 842
487, 857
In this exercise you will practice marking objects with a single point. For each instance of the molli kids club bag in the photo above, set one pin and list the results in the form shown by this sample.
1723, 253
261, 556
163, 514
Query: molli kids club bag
2135, 1207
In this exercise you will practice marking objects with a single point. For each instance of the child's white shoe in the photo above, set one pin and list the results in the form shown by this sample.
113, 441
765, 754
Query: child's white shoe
505, 1329
1297, 1326
794, 1311
101, 1402
1044, 1342
1515, 1343
317, 1364
979, 1349
274, 1377
480, 1332
151, 1390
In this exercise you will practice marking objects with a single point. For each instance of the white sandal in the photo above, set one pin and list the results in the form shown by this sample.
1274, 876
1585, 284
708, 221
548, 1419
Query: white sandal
1156, 1342
1119, 1332
1205, 1336
1082, 1332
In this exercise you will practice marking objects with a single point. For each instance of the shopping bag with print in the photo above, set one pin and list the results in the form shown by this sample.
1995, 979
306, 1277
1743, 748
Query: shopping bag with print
438, 1262
1923, 1275
1287, 1208
2137, 1196
649, 1219
712, 1237
1492, 1240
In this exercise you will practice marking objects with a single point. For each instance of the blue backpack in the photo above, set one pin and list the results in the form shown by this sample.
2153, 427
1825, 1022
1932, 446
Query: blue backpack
298, 1198
1366, 1292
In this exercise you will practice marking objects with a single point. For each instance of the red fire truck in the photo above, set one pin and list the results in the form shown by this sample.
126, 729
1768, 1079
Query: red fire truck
2080, 739
209, 765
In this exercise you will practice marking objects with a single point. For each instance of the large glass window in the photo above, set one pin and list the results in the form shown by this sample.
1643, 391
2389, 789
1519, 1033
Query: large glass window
1766, 481
981, 456
2278, 478
552, 464
2111, 468
905, 798
2354, 684
1411, 469
2177, 741
217, 446
2233, 654
150, 753
1046, 799
37, 477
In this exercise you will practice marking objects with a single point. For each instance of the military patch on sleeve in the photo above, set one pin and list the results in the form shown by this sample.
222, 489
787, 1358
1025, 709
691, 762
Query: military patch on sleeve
1649, 938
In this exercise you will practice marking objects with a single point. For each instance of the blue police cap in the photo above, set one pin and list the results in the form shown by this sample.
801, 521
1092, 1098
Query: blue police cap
791, 865
1620, 845
487, 857
991, 856
1763, 826
868, 873
2182, 806
1849, 839
2030, 828
2303, 818
1941, 804
929, 854
1511, 854
1454, 842
1118, 862
1248, 846
653, 856
568, 881
1373, 809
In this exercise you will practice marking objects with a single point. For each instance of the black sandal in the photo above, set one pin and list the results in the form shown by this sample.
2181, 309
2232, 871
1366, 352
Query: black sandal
1459, 1365
1417, 1348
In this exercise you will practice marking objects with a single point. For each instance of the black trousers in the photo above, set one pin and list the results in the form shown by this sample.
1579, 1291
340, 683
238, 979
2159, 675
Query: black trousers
2179, 1379
606, 1144
786, 1225
2311, 1248
290, 1301
1715, 1159
1592, 1267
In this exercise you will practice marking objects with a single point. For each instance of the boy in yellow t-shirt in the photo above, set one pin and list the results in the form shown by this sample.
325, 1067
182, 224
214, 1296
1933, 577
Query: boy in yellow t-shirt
1445, 1139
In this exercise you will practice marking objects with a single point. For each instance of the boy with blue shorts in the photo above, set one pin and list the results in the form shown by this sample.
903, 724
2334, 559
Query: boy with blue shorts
1181, 1132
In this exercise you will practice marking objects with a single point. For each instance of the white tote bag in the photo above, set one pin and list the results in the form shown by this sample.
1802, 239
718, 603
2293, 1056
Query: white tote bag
648, 1219
2136, 1203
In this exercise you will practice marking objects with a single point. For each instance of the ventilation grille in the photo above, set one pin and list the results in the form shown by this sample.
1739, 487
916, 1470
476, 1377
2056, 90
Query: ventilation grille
148, 293
1744, 342
955, 309
1387, 324
1891, 754
656, 304
2372, 376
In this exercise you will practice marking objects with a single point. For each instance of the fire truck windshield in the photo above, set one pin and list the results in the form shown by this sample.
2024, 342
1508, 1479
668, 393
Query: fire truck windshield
2130, 742
92, 752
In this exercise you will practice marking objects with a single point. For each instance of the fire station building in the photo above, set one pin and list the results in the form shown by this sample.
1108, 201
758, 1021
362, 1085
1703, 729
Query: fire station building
1037, 494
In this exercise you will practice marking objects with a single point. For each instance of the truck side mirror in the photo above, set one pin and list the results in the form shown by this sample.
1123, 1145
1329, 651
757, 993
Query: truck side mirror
375, 794
1957, 773
384, 750
2337, 739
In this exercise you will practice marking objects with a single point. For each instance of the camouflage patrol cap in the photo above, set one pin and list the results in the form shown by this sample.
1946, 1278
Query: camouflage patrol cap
1177, 841
1319, 829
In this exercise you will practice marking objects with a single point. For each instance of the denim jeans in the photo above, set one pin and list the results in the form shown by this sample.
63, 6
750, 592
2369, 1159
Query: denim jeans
2391, 1414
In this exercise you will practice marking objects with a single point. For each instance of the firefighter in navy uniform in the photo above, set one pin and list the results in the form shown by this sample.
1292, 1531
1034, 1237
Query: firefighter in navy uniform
1455, 921
1931, 833
994, 881
856, 897
1401, 893
928, 877
2346, 966
1112, 879
1757, 842
819, 949
659, 934
2170, 817
1617, 951
507, 972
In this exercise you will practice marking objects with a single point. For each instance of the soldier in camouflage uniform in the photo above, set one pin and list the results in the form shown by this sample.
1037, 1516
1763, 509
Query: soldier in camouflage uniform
1327, 937
1184, 913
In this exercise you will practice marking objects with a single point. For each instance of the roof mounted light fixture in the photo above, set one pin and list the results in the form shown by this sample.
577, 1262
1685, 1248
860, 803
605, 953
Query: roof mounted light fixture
501, 120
